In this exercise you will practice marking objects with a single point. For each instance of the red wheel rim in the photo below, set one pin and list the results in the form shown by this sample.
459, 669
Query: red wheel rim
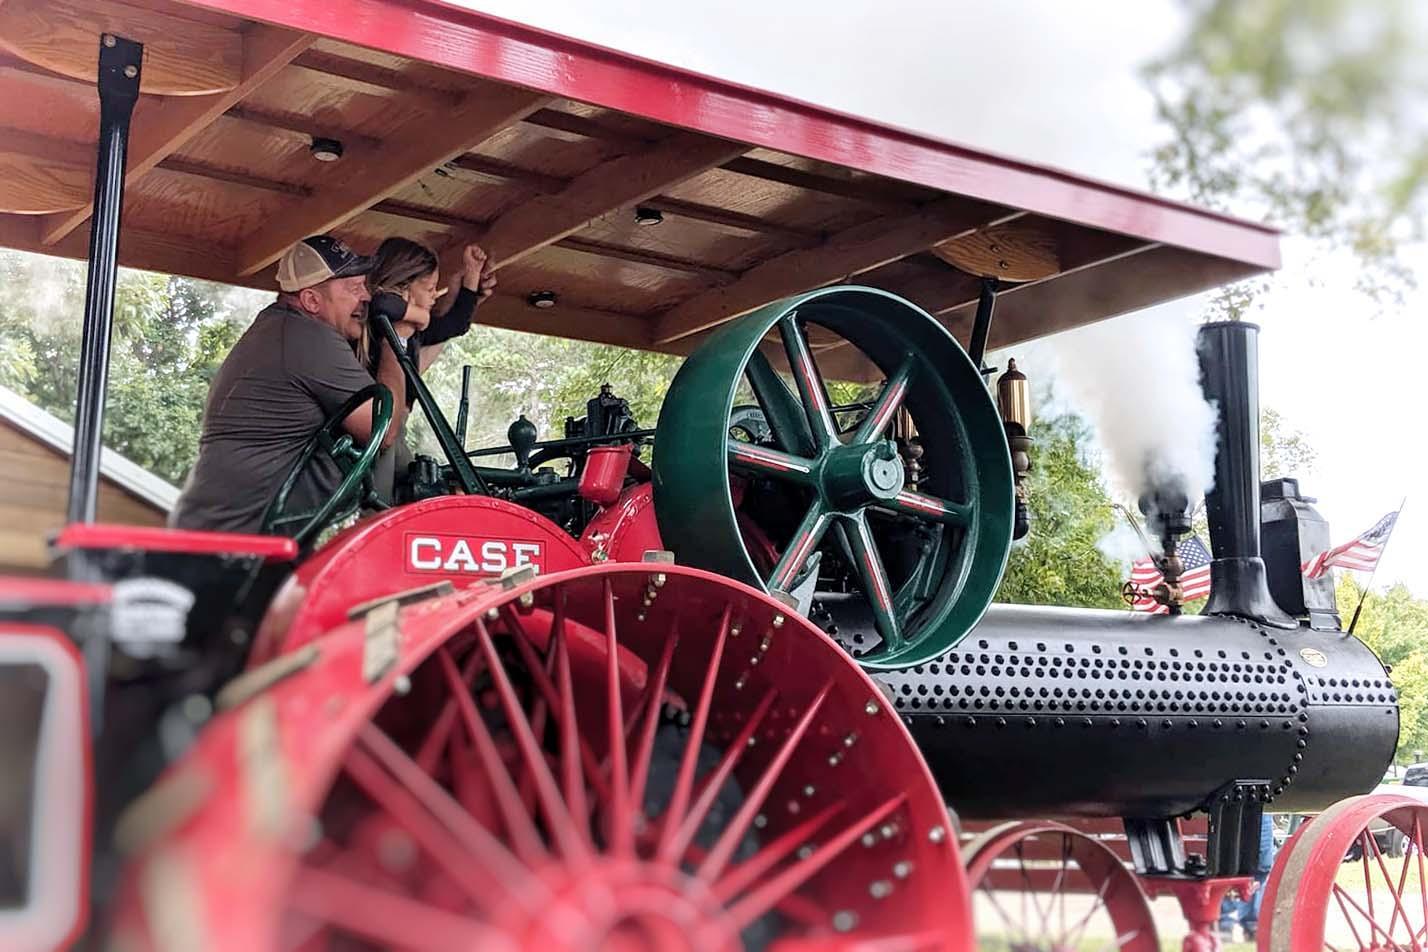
620, 757
1318, 899
1045, 887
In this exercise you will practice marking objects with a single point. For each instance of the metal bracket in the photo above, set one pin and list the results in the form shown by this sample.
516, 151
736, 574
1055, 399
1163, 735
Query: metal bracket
1235, 812
1156, 847
402, 598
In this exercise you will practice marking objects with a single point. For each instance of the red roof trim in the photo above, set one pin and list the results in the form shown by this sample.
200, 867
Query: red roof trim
483, 45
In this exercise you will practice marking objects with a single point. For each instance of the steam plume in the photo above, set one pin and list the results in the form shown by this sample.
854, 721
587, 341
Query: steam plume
1137, 380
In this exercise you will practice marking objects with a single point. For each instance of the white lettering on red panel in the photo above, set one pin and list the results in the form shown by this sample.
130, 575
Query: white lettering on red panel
467, 555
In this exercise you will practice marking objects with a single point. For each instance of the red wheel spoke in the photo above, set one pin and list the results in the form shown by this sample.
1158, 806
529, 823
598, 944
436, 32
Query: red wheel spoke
622, 834
1339, 897
392, 920
453, 851
758, 902
519, 826
805, 539
1074, 937
570, 742
429, 754
810, 384
559, 821
1422, 881
1388, 881
728, 841
495, 859
764, 461
888, 403
552, 697
929, 508
875, 581
782, 410
684, 780
654, 701
1368, 916
770, 855
715, 779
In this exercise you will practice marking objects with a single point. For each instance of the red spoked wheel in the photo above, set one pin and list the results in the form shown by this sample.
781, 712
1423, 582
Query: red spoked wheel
1045, 887
618, 757
1337, 884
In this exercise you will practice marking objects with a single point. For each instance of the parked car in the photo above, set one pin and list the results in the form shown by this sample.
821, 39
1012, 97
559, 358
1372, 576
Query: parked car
1416, 776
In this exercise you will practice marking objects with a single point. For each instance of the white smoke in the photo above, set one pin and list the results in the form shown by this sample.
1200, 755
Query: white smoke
1136, 379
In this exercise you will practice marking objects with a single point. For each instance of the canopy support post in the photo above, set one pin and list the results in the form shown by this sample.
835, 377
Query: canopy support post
982, 324
120, 62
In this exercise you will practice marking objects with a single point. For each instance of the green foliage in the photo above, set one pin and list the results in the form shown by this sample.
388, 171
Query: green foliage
170, 335
1305, 111
545, 378
1058, 563
1395, 625
1282, 451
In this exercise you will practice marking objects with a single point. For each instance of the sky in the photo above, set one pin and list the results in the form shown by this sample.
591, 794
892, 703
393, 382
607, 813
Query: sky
1058, 84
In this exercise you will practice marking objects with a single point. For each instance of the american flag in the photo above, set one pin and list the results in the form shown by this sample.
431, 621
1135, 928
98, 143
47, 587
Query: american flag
1360, 553
1194, 581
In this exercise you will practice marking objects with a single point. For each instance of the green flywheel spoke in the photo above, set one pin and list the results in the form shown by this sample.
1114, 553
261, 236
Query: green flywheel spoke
810, 384
940, 509
888, 403
782, 410
765, 461
929, 508
876, 586
803, 544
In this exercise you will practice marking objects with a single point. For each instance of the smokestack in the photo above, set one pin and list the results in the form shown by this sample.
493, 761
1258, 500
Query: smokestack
1229, 377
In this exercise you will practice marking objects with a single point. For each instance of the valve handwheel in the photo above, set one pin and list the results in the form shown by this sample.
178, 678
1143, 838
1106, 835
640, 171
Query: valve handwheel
354, 461
926, 557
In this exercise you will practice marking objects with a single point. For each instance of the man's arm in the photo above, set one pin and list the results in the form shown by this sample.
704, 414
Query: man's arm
389, 374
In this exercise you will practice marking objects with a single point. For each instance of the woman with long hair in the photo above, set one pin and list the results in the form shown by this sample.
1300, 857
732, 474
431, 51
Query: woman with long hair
410, 270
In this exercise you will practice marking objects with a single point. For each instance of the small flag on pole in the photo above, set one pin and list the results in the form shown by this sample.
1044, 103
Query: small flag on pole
1360, 553
1194, 581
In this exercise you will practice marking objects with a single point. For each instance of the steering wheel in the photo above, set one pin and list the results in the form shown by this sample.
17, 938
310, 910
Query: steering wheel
355, 463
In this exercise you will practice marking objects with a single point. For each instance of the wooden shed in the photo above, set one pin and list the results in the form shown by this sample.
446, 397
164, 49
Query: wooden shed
34, 468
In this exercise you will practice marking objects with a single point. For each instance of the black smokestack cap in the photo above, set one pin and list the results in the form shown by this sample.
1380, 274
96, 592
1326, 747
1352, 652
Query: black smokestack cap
1229, 377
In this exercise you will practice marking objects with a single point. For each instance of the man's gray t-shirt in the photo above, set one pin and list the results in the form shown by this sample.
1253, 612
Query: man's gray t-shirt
286, 375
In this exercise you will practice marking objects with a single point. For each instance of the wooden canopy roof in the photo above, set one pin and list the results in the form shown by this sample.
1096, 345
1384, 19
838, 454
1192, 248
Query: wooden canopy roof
455, 127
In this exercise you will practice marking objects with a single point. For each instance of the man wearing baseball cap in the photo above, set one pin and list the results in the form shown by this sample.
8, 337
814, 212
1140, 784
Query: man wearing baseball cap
283, 379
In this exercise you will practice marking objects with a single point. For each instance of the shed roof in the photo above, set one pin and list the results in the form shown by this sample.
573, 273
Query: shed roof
58, 435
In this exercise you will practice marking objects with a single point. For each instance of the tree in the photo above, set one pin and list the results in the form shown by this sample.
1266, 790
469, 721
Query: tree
1308, 112
1395, 625
170, 335
1059, 563
1283, 451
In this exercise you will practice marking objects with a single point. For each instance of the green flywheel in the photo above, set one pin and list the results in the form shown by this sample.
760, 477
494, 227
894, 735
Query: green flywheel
889, 512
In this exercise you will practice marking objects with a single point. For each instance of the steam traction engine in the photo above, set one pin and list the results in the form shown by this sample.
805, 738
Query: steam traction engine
745, 690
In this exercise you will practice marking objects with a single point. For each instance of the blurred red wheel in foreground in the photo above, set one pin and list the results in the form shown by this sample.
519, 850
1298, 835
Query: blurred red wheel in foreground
619, 757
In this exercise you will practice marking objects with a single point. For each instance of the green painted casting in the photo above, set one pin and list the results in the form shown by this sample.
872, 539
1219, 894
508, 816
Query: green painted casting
965, 503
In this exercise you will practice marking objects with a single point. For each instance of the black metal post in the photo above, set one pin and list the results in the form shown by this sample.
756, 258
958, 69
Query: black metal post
471, 481
464, 407
982, 326
120, 62
1229, 379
